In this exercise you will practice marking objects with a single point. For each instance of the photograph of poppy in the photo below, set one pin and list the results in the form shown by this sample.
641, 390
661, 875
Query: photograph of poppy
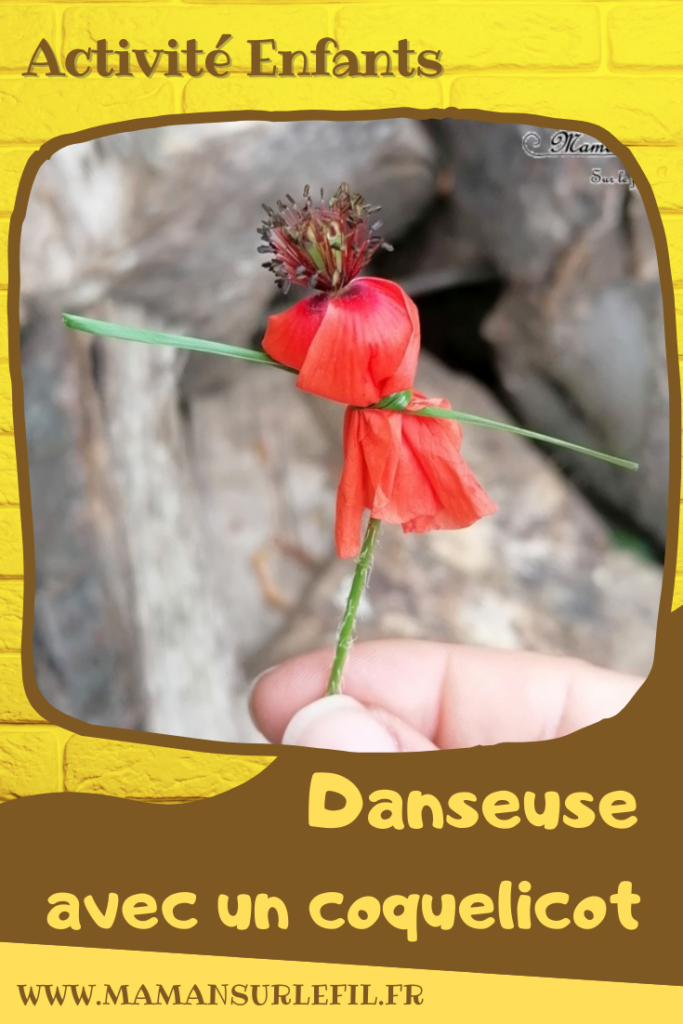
348, 407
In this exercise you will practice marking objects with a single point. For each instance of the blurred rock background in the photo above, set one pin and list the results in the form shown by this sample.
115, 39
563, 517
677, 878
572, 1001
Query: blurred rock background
183, 504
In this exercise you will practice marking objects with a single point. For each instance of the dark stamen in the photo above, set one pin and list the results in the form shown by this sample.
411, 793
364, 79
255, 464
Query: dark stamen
324, 246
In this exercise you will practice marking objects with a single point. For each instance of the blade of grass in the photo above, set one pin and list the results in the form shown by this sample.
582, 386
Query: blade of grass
146, 337
480, 421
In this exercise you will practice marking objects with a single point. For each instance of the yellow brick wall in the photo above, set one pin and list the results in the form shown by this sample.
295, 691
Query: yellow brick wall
616, 64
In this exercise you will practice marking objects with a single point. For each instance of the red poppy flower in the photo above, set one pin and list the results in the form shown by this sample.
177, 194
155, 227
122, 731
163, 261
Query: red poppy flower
355, 346
405, 469
359, 340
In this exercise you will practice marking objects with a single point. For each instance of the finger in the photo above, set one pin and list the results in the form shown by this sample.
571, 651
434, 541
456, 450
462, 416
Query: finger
454, 696
342, 723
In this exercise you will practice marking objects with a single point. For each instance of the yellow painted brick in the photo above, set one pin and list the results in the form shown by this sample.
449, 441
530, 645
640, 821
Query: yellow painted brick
292, 27
142, 772
301, 4
239, 92
638, 111
11, 611
482, 36
12, 164
647, 35
21, 29
37, 109
59, 3
271, 3
663, 168
401, 3
14, 704
6, 419
29, 762
678, 300
11, 550
9, 484
4, 350
673, 227
4, 235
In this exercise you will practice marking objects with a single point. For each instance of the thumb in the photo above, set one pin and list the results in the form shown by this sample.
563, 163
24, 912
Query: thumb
340, 722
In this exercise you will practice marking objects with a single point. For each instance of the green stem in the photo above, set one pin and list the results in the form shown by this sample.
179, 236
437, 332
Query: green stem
360, 579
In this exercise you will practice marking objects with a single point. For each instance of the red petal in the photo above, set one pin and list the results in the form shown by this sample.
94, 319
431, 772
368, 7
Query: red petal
459, 498
352, 490
405, 469
289, 335
366, 347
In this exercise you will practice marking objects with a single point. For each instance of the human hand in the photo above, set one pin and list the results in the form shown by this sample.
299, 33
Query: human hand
408, 695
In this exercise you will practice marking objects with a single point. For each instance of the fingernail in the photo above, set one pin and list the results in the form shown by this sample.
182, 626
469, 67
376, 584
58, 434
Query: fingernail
250, 691
339, 723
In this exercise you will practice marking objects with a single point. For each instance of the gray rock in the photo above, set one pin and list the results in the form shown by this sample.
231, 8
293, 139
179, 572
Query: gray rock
579, 331
522, 212
78, 219
590, 368
86, 641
